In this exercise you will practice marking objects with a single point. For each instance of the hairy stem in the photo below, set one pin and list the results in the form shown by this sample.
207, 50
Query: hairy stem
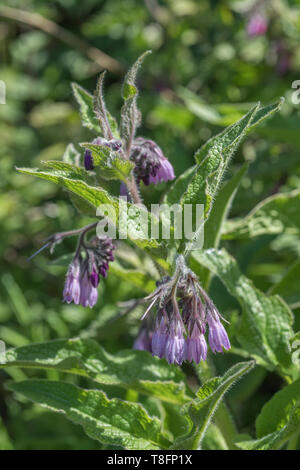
80, 231
222, 418
58, 237
134, 192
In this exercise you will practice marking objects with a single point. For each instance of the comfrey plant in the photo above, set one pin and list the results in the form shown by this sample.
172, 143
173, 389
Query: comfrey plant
180, 321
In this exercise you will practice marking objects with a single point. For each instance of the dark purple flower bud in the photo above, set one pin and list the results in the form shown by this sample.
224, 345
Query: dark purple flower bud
102, 249
143, 341
94, 277
103, 271
195, 346
114, 144
217, 336
175, 345
151, 166
159, 338
88, 293
88, 160
123, 190
257, 25
72, 285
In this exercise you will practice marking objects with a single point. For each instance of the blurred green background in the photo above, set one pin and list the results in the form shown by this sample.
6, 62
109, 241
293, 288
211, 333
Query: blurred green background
204, 73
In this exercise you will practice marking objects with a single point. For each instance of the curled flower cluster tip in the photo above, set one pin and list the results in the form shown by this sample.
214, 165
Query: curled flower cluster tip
84, 273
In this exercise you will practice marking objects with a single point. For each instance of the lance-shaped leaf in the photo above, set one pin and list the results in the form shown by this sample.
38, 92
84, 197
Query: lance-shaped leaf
134, 276
130, 369
114, 422
108, 123
133, 221
214, 439
69, 168
201, 186
202, 409
219, 212
71, 155
221, 208
130, 115
204, 184
77, 172
288, 286
278, 421
179, 186
266, 323
213, 163
86, 107
274, 215
110, 163
231, 133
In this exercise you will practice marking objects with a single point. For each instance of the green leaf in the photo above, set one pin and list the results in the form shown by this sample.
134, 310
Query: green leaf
130, 369
135, 277
278, 421
176, 423
199, 185
274, 215
86, 107
218, 215
114, 422
130, 115
5, 442
179, 186
111, 164
276, 412
288, 286
213, 439
213, 159
197, 106
266, 323
202, 409
70, 169
83, 206
221, 208
71, 155
100, 153
96, 196
118, 168
258, 114
108, 123
229, 136
266, 112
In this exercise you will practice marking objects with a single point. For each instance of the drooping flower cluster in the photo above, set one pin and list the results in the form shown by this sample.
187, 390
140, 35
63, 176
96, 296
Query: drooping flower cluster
84, 272
113, 144
179, 327
151, 166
